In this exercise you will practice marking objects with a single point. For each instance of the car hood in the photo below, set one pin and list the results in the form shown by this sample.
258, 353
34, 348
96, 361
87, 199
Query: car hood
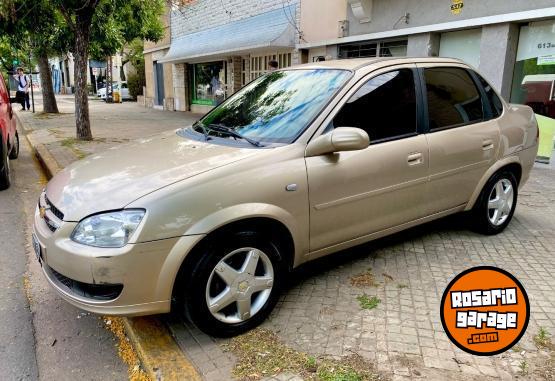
114, 178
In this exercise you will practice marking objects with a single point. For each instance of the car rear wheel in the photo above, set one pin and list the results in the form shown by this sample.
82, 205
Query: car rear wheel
14, 154
235, 285
496, 205
5, 179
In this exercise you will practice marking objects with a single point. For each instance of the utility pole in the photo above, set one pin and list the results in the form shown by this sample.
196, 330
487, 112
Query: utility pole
31, 76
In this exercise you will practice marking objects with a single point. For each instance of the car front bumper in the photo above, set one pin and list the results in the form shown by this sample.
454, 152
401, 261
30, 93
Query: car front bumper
136, 279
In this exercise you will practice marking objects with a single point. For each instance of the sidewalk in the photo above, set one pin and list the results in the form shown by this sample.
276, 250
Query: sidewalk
111, 124
324, 326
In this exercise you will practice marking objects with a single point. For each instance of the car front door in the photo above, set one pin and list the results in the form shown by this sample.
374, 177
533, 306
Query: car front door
463, 137
353, 194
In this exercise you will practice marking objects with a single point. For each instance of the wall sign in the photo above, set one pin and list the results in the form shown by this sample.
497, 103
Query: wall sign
457, 6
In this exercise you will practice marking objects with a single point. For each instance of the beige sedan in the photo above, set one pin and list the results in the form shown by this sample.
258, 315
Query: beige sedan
299, 164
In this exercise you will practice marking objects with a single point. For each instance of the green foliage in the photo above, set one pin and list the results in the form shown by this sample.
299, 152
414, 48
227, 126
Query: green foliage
120, 22
368, 303
135, 82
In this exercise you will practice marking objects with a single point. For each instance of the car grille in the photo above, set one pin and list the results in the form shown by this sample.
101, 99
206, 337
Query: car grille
55, 211
91, 291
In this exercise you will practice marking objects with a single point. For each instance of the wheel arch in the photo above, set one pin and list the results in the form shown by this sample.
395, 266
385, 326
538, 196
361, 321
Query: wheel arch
511, 163
214, 226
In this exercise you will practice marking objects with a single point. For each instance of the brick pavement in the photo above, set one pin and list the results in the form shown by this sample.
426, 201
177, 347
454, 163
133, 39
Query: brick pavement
319, 312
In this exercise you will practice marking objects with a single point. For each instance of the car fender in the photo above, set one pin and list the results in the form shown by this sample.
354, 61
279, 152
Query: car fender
494, 168
245, 211
211, 223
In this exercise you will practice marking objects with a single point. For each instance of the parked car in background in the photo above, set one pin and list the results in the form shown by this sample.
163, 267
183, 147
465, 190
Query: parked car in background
298, 164
101, 93
9, 138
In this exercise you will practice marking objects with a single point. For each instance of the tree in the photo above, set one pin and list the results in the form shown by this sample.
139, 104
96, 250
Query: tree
34, 26
102, 27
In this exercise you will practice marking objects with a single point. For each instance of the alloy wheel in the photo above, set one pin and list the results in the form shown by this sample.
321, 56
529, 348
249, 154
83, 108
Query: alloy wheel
500, 202
239, 285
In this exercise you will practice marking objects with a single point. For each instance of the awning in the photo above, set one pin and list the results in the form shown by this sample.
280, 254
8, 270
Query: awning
274, 29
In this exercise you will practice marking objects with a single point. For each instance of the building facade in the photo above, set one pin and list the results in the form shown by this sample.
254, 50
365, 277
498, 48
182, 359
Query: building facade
216, 47
510, 41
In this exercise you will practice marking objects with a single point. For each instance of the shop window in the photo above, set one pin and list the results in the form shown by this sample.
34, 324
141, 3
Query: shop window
209, 83
463, 45
374, 49
259, 64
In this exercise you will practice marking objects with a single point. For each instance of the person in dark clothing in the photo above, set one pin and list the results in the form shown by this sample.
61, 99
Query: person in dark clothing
22, 93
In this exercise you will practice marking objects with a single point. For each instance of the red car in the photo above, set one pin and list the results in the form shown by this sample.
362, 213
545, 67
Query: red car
9, 139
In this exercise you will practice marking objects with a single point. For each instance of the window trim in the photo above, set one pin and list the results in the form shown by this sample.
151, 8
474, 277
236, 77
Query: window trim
417, 95
485, 103
489, 104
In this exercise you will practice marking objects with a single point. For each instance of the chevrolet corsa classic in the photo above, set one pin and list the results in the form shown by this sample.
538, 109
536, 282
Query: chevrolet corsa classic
299, 164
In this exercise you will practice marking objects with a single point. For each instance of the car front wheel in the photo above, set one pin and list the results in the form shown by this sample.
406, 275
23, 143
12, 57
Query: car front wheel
496, 205
235, 285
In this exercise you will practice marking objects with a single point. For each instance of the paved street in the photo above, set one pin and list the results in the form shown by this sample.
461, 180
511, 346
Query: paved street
41, 336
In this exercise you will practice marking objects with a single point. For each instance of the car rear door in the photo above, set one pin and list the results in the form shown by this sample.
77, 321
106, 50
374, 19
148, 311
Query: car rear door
462, 135
353, 194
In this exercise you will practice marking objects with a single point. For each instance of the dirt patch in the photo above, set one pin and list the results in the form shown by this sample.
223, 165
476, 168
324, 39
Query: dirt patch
260, 354
365, 279
125, 349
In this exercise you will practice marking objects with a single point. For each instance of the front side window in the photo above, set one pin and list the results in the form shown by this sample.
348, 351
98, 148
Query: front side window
277, 107
453, 99
384, 107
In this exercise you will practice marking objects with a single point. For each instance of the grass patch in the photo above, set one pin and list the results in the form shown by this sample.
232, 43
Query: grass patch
523, 367
261, 354
365, 279
516, 348
368, 303
543, 339
400, 286
71, 144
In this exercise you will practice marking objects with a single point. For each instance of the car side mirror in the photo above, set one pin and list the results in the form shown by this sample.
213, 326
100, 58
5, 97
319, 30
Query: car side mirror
340, 139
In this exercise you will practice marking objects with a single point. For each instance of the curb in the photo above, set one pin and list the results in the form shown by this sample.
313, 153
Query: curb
160, 355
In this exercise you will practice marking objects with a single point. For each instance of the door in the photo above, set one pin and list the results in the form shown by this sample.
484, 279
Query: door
463, 137
353, 194
159, 83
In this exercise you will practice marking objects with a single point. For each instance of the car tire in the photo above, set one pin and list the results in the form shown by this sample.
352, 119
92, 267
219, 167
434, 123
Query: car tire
241, 298
496, 204
14, 154
5, 175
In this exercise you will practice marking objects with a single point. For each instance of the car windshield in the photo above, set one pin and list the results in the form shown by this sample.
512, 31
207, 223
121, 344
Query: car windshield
276, 107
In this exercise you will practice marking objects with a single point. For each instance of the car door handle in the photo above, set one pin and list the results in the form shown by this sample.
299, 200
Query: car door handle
487, 144
414, 158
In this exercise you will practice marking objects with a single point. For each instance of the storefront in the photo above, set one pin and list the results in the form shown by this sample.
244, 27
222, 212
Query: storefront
218, 61
534, 78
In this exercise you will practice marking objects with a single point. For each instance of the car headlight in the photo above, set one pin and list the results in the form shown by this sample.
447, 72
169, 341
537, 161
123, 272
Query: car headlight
111, 229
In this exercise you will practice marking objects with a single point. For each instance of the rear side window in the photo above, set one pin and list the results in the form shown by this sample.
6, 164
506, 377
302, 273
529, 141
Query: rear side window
494, 101
453, 98
384, 107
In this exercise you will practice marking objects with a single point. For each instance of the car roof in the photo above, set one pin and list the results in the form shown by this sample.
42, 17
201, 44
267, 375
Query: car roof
359, 63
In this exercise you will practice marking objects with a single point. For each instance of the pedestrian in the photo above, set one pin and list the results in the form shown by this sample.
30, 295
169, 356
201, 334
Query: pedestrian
22, 94
273, 65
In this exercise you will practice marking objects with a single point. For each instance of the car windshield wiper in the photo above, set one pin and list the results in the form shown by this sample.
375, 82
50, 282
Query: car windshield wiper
235, 134
204, 130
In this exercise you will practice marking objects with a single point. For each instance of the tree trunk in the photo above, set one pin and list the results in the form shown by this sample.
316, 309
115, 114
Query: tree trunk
82, 39
48, 97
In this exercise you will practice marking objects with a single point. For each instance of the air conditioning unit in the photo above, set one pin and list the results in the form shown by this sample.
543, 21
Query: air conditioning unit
362, 10
343, 28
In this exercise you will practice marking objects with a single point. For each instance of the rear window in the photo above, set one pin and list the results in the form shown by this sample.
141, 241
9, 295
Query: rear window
495, 102
453, 98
